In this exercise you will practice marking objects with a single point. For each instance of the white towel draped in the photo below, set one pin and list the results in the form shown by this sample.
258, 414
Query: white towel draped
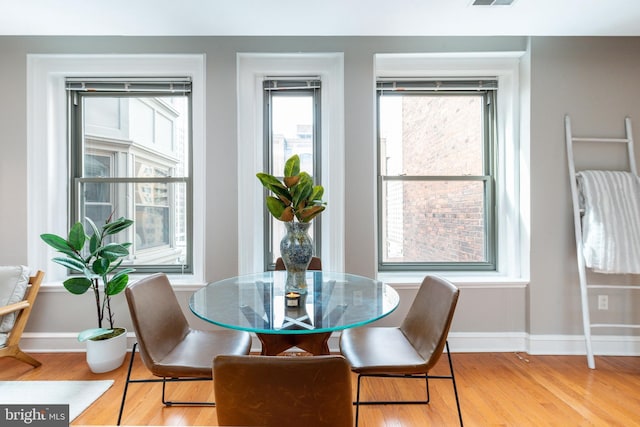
611, 222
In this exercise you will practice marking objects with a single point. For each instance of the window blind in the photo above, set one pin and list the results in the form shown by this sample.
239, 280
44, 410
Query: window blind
175, 86
434, 85
275, 84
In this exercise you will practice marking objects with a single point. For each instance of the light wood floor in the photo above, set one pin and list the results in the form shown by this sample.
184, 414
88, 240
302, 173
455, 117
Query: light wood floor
496, 389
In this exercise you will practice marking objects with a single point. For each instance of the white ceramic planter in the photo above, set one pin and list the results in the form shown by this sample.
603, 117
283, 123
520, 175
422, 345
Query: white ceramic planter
106, 355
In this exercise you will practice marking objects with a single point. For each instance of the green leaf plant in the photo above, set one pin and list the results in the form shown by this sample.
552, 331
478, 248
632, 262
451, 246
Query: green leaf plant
95, 262
295, 195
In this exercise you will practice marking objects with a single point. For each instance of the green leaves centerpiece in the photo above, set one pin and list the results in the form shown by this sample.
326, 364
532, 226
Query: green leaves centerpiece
295, 196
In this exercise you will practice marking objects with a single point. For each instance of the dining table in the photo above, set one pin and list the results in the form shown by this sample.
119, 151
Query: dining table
303, 317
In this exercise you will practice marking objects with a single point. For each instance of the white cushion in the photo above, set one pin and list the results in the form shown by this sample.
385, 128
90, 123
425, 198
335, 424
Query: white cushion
3, 340
13, 285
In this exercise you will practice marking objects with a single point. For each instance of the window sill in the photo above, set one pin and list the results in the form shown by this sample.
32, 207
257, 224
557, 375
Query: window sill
411, 280
186, 282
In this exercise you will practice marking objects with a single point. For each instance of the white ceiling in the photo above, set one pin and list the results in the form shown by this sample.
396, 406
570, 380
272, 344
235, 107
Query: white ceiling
319, 17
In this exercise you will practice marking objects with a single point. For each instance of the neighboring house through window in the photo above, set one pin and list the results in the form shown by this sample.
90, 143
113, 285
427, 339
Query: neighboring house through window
136, 147
130, 150
437, 176
449, 176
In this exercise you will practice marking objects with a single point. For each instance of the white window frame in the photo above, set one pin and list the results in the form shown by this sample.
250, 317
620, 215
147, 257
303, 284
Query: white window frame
252, 69
511, 187
47, 142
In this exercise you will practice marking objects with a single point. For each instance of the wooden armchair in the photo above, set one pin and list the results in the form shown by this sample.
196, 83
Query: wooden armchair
9, 341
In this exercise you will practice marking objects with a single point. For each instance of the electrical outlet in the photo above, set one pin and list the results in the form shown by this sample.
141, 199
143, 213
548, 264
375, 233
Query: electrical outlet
603, 302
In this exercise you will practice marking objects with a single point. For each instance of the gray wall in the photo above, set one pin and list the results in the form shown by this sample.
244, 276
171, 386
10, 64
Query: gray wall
593, 79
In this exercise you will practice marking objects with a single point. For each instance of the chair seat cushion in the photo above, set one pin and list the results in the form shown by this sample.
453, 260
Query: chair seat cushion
193, 356
13, 286
380, 350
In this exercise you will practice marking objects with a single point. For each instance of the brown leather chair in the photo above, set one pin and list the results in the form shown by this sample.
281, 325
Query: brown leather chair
169, 347
20, 310
314, 264
410, 350
283, 391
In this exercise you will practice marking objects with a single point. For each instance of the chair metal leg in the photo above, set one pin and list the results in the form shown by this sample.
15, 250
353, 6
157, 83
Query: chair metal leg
178, 403
126, 384
453, 380
451, 377
357, 402
426, 386
164, 381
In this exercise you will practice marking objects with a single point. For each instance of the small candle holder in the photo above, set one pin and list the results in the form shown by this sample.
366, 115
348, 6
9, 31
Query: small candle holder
293, 299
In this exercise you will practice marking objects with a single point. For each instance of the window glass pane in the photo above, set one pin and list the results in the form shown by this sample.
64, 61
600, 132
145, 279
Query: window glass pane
428, 134
143, 129
138, 136
98, 214
104, 113
164, 132
436, 179
152, 228
160, 221
292, 131
433, 221
97, 167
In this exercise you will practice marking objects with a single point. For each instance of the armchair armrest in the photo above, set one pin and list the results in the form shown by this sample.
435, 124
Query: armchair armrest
13, 307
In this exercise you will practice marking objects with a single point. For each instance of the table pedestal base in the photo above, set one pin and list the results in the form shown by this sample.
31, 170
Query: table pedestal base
274, 344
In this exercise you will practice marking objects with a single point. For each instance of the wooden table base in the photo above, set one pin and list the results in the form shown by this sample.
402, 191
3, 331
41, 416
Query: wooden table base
274, 344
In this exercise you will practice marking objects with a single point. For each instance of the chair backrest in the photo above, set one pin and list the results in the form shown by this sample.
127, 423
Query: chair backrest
157, 318
23, 316
314, 264
428, 321
14, 280
309, 391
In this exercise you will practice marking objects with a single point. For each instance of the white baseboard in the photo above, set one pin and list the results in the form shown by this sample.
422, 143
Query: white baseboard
478, 342
603, 345
459, 342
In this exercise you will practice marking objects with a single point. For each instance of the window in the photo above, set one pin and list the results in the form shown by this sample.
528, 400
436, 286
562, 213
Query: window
436, 189
130, 151
253, 69
291, 126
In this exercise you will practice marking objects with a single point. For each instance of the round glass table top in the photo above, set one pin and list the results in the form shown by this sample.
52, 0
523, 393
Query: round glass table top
258, 303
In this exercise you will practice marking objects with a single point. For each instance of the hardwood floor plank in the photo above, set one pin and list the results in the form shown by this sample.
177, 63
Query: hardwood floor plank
495, 389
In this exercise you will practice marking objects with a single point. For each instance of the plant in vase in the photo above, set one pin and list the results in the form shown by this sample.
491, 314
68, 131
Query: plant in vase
296, 201
97, 260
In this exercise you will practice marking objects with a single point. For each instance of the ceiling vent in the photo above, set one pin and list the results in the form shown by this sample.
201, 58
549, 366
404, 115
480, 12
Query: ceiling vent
492, 2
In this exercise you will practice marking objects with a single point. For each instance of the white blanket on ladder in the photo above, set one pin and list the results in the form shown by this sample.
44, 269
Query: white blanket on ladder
611, 222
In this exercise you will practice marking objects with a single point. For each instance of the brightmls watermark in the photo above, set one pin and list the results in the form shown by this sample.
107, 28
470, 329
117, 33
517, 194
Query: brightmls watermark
34, 415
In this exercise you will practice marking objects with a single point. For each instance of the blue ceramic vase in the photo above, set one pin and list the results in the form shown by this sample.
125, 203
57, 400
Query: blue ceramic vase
296, 249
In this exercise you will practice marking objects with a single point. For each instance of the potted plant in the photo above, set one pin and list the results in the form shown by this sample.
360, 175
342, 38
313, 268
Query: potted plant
96, 260
296, 201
